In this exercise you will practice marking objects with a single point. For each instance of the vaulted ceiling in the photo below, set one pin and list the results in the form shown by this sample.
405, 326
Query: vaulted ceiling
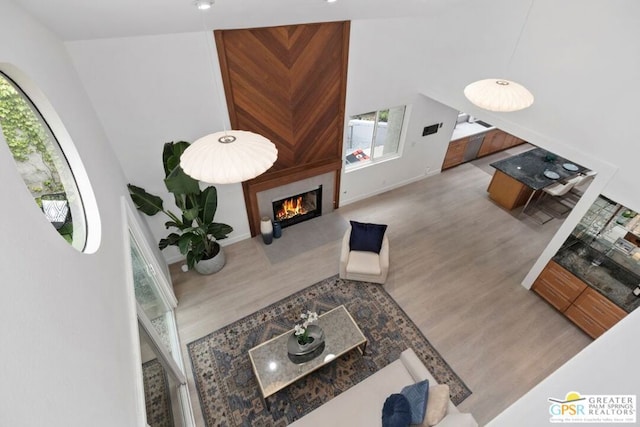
82, 19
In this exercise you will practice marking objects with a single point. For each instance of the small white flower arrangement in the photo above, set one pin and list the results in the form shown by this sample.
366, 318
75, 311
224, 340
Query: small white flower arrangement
302, 331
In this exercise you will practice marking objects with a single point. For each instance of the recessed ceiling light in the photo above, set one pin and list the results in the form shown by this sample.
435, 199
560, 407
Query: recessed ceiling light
203, 4
331, 1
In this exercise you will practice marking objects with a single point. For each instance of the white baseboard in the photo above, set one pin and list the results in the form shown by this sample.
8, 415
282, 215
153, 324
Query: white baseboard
225, 242
381, 190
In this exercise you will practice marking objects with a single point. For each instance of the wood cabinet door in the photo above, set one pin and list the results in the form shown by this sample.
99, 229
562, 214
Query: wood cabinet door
563, 282
585, 322
512, 141
558, 286
455, 153
498, 140
549, 293
494, 141
599, 308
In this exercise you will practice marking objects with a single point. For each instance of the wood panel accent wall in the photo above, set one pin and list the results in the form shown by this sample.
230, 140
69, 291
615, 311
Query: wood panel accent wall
288, 83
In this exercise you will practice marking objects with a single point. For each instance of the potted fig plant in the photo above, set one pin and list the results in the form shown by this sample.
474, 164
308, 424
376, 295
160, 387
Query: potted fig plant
195, 234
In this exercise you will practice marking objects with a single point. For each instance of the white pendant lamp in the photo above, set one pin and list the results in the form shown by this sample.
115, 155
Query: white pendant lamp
501, 95
498, 95
228, 157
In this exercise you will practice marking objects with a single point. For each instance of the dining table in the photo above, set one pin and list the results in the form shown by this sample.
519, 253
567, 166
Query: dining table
519, 178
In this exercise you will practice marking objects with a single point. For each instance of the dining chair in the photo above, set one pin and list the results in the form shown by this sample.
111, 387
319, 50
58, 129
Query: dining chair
557, 191
581, 181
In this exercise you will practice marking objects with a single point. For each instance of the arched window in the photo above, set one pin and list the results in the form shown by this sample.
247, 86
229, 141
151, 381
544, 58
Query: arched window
42, 163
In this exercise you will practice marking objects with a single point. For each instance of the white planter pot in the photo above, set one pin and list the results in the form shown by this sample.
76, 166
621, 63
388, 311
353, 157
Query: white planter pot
211, 265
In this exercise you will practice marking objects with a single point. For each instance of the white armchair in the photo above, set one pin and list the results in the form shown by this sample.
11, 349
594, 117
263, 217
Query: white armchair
364, 266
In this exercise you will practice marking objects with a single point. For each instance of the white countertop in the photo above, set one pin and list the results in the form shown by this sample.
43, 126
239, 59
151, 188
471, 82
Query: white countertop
462, 130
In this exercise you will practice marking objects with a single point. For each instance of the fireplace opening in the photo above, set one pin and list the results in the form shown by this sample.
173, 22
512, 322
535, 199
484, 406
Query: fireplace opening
298, 208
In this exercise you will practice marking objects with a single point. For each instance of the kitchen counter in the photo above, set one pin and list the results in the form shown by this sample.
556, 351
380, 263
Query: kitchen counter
609, 278
465, 129
529, 167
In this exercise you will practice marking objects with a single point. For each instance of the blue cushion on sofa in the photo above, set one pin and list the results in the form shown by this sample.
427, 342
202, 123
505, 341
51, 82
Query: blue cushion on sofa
366, 237
396, 411
417, 395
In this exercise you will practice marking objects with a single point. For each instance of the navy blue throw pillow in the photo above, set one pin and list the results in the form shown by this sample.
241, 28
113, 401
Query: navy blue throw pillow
366, 237
417, 395
396, 411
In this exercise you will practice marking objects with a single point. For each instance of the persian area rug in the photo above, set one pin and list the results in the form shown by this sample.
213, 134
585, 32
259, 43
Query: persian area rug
156, 394
227, 388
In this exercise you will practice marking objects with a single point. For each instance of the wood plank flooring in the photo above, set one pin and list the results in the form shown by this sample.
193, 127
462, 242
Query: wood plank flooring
456, 264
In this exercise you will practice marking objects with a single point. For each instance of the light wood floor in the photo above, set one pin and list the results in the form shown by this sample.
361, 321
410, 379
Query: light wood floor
456, 264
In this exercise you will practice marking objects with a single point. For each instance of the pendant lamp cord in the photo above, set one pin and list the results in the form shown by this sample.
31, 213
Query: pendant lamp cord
515, 48
210, 48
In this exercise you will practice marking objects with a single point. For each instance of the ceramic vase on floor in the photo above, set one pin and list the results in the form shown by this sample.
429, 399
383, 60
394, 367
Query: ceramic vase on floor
266, 229
277, 230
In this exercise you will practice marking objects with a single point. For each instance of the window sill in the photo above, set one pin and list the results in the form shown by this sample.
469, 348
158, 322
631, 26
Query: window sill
352, 167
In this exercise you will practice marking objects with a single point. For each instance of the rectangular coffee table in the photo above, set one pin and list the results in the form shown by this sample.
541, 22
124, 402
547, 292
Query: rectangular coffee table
275, 371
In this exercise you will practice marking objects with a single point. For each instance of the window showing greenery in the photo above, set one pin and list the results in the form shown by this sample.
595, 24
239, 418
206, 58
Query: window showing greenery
41, 163
373, 136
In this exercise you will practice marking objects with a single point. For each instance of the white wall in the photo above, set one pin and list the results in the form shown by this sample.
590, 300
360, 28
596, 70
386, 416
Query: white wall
421, 155
68, 346
385, 70
155, 89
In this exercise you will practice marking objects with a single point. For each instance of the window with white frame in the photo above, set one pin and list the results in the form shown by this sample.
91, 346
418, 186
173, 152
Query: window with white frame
373, 136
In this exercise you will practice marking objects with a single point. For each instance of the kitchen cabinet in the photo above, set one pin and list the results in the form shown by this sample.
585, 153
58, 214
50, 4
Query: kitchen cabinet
512, 141
559, 287
587, 308
584, 322
494, 140
599, 308
497, 140
455, 153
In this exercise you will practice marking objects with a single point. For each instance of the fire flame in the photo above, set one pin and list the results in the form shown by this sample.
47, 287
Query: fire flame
291, 207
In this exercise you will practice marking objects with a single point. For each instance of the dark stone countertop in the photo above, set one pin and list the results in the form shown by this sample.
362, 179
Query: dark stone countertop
610, 279
529, 168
